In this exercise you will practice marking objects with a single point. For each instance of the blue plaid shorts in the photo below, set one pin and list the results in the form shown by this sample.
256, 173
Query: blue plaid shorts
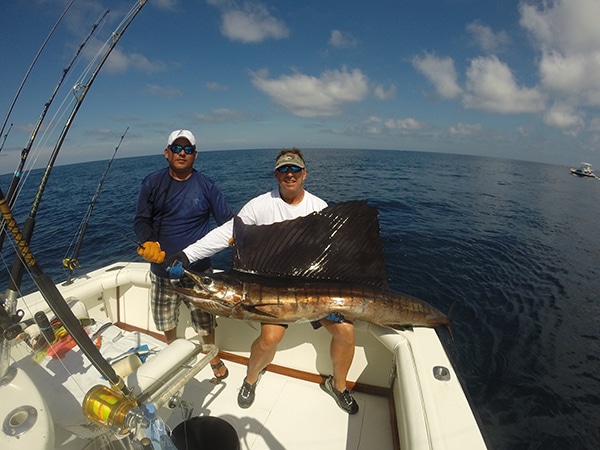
165, 303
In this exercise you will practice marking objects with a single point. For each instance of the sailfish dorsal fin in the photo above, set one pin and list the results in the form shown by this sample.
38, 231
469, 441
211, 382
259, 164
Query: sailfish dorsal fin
340, 242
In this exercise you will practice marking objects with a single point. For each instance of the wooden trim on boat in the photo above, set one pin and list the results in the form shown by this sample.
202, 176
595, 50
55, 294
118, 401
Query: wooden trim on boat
309, 376
393, 421
293, 373
118, 295
154, 334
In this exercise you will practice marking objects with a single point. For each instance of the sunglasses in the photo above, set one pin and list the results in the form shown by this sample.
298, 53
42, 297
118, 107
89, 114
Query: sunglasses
285, 169
188, 149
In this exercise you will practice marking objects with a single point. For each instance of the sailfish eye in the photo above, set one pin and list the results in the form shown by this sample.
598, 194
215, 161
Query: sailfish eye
208, 284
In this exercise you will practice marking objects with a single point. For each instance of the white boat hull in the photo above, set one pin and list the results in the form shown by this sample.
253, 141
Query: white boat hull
400, 377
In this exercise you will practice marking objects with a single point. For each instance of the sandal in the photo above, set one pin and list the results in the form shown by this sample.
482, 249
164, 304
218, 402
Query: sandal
218, 378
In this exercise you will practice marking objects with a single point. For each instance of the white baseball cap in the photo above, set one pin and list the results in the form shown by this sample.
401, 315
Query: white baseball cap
181, 133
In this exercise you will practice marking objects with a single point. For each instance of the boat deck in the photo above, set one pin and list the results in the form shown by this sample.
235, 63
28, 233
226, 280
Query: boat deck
288, 413
313, 422
428, 409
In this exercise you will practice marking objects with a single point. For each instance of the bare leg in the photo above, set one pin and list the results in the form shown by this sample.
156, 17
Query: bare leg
210, 339
171, 335
263, 350
341, 350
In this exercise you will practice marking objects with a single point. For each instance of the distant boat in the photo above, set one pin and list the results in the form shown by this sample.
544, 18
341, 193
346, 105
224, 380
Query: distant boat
584, 170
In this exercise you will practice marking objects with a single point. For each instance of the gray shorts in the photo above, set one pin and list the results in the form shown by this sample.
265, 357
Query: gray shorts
165, 304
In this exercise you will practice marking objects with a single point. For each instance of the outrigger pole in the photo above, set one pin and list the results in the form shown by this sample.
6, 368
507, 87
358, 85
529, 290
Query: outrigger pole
72, 263
31, 67
10, 195
45, 285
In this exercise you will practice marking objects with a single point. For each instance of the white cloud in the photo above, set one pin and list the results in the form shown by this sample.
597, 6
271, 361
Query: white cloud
376, 126
465, 129
566, 26
564, 116
485, 37
384, 94
441, 72
340, 39
523, 130
408, 124
372, 126
250, 22
492, 87
221, 115
309, 96
164, 91
169, 5
567, 35
575, 76
216, 86
594, 124
120, 62
558, 73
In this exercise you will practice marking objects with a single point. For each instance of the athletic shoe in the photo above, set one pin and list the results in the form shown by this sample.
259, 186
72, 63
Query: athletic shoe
245, 397
343, 399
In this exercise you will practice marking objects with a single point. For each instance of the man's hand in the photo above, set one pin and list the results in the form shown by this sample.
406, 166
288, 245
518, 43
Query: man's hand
151, 252
176, 270
176, 265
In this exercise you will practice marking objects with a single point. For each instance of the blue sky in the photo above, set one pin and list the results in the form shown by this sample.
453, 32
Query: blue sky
510, 79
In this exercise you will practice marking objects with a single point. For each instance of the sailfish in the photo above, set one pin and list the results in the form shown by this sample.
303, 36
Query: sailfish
303, 270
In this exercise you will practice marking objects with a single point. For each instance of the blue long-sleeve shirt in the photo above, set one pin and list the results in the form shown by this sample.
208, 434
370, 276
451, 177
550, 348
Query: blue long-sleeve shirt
177, 213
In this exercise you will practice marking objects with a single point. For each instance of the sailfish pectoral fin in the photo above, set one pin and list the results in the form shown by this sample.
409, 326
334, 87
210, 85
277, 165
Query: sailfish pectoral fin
260, 309
256, 309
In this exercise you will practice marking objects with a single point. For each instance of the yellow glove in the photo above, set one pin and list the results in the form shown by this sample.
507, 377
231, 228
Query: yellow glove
151, 252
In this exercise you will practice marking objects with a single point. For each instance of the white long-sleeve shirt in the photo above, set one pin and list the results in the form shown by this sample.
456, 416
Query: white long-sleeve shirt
265, 209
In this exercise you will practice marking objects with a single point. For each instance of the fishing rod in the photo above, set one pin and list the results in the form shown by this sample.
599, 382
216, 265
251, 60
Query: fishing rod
24, 257
80, 91
31, 67
131, 240
72, 263
11, 193
5, 136
57, 303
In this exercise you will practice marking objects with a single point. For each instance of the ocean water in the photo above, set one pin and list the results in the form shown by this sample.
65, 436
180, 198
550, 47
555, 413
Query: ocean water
510, 247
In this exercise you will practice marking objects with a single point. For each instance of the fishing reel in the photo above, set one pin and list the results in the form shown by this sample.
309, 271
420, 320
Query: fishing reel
70, 263
11, 326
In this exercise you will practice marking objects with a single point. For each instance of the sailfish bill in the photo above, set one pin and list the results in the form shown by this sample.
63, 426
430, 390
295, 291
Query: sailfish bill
302, 270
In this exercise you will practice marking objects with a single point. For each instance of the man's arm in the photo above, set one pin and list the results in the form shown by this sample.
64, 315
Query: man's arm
215, 241
144, 220
143, 226
219, 238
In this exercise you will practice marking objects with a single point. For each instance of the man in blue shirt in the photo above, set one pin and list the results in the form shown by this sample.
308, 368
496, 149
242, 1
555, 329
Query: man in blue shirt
173, 210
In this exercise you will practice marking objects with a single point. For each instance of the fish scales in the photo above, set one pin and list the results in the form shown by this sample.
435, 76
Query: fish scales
277, 300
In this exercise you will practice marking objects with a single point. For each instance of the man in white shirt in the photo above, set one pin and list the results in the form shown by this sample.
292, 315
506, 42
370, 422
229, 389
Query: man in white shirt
288, 201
